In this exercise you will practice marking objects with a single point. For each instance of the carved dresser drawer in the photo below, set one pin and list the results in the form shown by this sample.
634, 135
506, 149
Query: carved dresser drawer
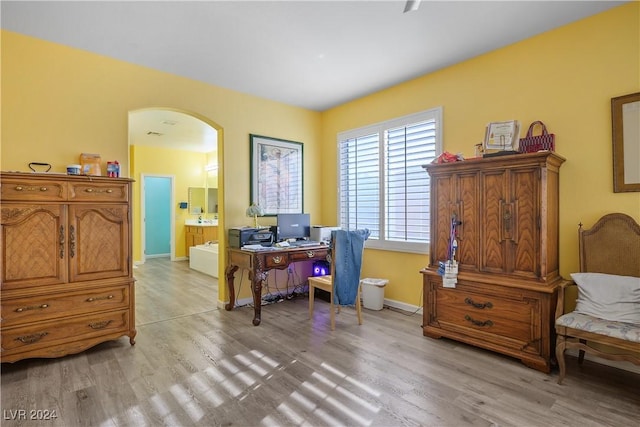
511, 317
309, 255
276, 260
33, 190
99, 191
489, 314
33, 309
35, 338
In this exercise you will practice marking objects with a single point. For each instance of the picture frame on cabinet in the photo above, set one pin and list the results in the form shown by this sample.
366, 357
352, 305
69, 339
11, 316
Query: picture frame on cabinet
502, 136
276, 175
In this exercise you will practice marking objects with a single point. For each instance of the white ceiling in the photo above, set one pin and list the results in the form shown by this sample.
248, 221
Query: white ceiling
171, 129
312, 54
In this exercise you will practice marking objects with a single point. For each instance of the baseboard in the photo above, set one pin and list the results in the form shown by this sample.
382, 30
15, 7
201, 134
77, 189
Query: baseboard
627, 366
402, 306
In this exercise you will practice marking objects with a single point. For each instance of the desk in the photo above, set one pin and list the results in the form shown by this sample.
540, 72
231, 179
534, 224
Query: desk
259, 263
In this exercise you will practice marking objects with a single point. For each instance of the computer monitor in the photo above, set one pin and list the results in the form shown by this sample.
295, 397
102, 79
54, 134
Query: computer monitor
293, 226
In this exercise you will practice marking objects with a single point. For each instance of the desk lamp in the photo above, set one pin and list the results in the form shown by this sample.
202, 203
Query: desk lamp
255, 211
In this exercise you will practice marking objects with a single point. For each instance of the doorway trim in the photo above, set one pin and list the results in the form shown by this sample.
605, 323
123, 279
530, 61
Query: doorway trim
143, 215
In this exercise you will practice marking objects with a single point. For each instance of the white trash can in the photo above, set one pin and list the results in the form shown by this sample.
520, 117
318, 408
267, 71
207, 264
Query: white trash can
373, 293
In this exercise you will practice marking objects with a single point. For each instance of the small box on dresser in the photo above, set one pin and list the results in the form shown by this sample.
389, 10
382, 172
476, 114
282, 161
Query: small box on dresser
508, 261
67, 281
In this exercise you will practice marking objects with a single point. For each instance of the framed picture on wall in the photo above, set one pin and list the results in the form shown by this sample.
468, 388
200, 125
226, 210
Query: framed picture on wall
276, 175
625, 119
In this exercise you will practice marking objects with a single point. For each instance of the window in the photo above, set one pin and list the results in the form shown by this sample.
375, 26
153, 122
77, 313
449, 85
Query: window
382, 185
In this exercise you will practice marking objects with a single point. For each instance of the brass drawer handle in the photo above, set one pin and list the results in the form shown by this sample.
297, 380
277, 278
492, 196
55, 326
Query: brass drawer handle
72, 241
61, 241
21, 188
91, 190
277, 259
91, 299
30, 339
310, 254
480, 305
478, 322
100, 325
31, 307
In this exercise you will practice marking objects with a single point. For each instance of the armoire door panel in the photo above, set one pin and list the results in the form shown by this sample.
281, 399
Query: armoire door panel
98, 238
443, 200
492, 236
525, 194
33, 245
467, 214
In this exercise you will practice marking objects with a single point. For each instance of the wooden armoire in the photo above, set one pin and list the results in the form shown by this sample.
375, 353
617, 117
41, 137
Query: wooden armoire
504, 299
67, 281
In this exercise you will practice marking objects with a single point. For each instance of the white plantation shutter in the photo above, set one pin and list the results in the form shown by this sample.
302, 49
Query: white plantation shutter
360, 183
382, 185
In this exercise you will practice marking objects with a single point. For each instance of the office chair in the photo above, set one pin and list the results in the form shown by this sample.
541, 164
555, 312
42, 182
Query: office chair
343, 284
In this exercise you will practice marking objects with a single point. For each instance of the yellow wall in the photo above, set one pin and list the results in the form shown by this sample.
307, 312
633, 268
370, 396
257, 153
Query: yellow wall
58, 102
565, 77
187, 167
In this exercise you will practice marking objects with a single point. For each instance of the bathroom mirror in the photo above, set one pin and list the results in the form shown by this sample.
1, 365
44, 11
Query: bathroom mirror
212, 200
197, 201
625, 117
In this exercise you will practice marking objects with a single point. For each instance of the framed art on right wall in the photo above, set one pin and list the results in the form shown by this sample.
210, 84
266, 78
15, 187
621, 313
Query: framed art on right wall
625, 121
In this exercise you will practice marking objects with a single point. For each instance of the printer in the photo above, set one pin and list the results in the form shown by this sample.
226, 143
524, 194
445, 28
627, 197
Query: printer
321, 233
240, 236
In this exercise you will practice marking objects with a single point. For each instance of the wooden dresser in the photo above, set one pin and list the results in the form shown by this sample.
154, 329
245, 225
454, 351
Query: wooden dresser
67, 281
507, 253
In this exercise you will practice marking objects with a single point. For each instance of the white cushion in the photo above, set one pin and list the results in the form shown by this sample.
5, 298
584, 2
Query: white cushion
608, 296
620, 330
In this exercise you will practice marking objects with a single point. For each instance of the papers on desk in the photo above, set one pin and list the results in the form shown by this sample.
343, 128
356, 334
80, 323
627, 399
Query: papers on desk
256, 248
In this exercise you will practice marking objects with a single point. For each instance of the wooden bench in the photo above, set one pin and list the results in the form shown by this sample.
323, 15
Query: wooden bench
599, 311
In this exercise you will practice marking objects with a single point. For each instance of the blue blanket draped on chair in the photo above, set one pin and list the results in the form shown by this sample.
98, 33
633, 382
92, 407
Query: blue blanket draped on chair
348, 247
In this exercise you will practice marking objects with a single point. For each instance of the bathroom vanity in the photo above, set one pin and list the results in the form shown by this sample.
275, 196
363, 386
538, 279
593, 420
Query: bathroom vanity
198, 233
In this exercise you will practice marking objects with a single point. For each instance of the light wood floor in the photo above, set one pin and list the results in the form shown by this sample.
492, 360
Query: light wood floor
194, 364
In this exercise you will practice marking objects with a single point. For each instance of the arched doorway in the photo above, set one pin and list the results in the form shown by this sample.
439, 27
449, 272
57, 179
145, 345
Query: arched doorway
178, 144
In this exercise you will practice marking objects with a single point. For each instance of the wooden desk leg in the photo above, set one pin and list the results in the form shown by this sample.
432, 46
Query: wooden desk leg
258, 277
229, 273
